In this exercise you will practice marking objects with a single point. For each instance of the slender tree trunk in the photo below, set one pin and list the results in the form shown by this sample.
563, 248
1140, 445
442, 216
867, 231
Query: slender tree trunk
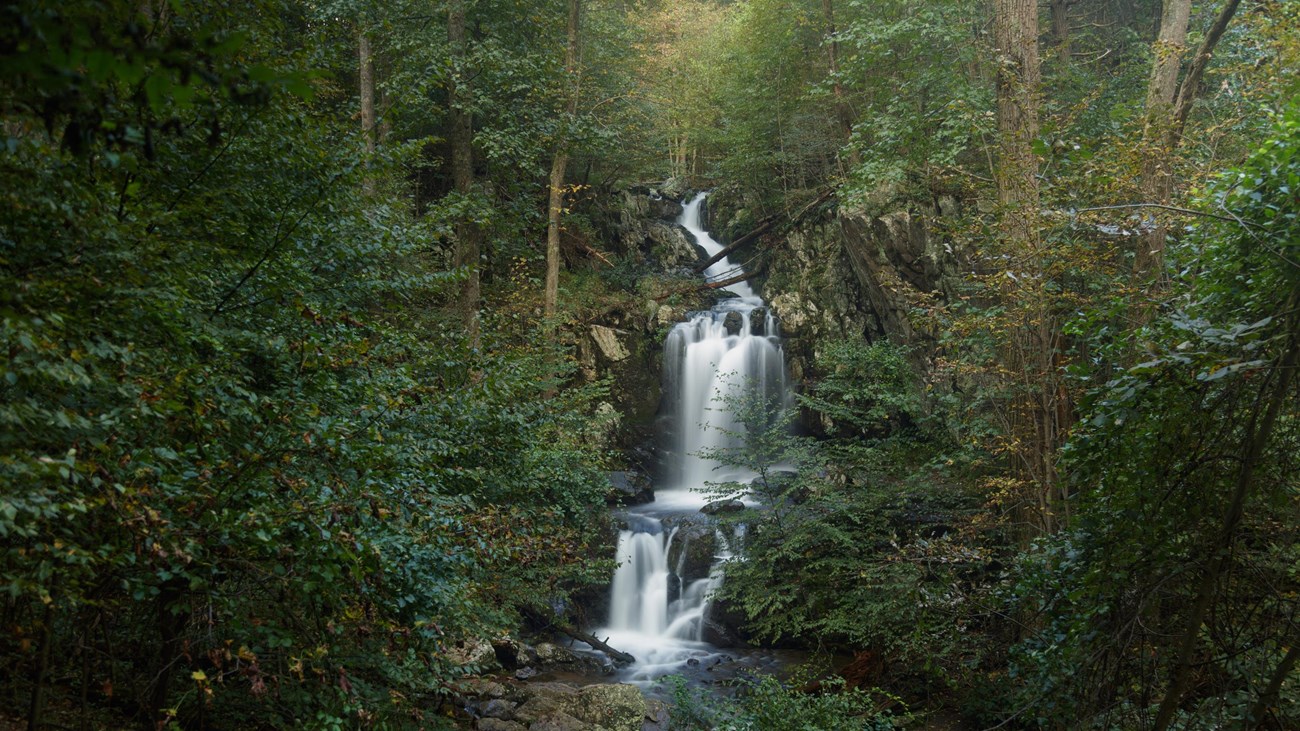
842, 111
1263, 418
555, 206
1196, 72
1269, 697
1157, 175
36, 708
1060, 10
367, 91
461, 136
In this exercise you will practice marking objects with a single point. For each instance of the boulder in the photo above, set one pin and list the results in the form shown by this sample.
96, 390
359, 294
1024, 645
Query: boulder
497, 724
553, 657
560, 722
717, 507
474, 654
734, 322
615, 707
561, 707
758, 321
656, 716
670, 245
498, 708
630, 488
692, 552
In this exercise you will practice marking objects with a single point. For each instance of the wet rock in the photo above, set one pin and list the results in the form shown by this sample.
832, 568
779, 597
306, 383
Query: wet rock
497, 724
526, 673
656, 716
758, 321
718, 507
498, 708
693, 549
630, 488
693, 662
553, 657
734, 322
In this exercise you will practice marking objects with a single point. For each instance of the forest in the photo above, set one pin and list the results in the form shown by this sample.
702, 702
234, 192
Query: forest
339, 342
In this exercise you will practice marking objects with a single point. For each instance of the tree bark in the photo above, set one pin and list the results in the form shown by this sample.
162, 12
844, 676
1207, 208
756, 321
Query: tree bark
843, 113
1060, 11
1018, 81
1157, 175
461, 137
555, 206
1187, 91
366, 77
367, 83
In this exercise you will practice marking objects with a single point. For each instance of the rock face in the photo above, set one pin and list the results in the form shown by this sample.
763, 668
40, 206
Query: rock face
850, 273
606, 339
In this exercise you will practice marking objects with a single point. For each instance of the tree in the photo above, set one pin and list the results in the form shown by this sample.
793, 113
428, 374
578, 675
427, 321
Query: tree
555, 203
469, 235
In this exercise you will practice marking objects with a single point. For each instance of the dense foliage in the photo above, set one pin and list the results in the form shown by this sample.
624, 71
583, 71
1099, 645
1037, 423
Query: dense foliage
249, 470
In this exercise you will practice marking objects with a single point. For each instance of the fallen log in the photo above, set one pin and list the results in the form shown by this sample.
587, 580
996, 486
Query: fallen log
767, 224
762, 228
618, 656
746, 276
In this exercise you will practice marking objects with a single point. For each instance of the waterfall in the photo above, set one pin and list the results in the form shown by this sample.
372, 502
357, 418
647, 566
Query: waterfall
717, 356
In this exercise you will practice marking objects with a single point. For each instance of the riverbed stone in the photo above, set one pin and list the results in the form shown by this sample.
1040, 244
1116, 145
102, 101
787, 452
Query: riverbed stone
497, 724
499, 708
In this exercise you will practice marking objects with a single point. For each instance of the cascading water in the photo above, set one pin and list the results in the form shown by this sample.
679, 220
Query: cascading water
719, 355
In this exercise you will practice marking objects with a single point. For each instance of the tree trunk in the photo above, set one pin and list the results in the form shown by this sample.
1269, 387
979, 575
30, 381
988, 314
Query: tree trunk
1157, 176
367, 90
1034, 418
556, 204
461, 137
1061, 29
842, 111
1018, 81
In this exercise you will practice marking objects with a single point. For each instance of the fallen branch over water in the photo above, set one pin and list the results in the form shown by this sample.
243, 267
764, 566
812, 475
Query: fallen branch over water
743, 277
618, 656
767, 224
